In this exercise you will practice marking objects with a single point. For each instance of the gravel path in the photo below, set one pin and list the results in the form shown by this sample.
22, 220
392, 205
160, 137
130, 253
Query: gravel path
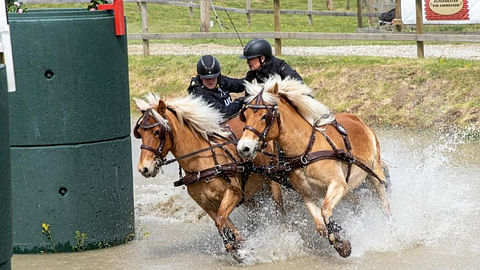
469, 51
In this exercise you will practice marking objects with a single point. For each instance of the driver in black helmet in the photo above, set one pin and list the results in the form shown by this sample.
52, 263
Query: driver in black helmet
215, 88
263, 64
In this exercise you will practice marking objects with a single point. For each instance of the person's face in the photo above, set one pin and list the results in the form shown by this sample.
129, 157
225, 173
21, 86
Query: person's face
254, 63
210, 83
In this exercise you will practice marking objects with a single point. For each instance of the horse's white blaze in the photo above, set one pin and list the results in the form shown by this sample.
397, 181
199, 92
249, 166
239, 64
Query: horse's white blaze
247, 148
149, 165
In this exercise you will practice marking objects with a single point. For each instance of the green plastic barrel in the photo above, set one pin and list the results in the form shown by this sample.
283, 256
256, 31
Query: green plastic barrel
72, 183
5, 189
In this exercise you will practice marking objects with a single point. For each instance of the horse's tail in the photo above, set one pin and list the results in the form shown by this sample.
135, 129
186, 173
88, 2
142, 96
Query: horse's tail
376, 163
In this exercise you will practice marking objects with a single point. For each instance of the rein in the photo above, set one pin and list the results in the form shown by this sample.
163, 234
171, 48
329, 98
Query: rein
212, 147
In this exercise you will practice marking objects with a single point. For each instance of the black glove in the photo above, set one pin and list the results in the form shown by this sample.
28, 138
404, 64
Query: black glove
240, 100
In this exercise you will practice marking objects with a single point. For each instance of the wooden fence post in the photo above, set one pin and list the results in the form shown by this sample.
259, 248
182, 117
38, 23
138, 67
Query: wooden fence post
359, 14
310, 10
144, 14
204, 16
277, 28
420, 51
371, 9
191, 9
329, 4
348, 5
248, 7
398, 16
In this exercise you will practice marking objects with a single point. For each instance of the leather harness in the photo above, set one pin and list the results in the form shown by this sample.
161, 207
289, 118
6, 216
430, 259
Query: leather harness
277, 171
288, 163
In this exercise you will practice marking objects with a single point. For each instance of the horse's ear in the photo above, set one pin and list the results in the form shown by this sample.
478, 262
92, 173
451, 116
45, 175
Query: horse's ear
162, 108
275, 89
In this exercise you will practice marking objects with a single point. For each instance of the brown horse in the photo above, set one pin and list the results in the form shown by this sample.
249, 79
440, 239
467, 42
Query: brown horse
185, 127
328, 162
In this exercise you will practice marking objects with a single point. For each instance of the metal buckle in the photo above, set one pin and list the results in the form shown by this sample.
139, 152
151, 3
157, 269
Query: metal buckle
304, 160
159, 163
240, 169
287, 166
217, 169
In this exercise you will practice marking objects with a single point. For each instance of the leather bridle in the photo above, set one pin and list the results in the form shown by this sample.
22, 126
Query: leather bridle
269, 117
161, 134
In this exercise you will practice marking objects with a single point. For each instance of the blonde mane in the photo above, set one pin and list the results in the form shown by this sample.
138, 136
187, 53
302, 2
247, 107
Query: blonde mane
296, 92
194, 112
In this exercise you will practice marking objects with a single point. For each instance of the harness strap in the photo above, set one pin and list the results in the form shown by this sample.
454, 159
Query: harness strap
196, 152
227, 169
214, 154
340, 154
252, 129
310, 143
149, 148
344, 134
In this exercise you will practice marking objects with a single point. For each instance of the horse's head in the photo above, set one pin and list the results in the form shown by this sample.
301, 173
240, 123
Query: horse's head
157, 137
262, 121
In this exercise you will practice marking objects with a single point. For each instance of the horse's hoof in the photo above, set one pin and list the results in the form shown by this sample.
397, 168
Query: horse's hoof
344, 248
237, 257
230, 248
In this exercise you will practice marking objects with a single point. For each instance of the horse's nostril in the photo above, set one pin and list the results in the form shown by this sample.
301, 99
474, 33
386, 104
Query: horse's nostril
144, 170
246, 149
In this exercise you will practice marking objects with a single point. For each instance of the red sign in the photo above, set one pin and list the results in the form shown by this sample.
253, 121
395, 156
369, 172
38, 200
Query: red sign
439, 10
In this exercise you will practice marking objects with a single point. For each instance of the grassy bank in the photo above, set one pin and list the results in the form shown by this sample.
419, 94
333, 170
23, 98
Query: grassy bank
173, 19
384, 91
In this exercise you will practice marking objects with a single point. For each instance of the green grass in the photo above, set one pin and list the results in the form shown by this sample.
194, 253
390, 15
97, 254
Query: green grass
383, 91
172, 19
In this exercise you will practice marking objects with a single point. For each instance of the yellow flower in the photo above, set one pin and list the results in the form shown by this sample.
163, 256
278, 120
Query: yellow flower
45, 227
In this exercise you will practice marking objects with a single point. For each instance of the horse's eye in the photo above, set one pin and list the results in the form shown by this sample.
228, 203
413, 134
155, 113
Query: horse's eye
264, 117
156, 133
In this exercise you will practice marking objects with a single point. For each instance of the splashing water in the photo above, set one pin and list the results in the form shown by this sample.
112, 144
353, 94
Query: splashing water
434, 224
433, 200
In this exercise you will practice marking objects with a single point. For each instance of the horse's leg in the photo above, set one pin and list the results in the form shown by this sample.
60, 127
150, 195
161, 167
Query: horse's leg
226, 237
335, 192
231, 198
234, 229
301, 185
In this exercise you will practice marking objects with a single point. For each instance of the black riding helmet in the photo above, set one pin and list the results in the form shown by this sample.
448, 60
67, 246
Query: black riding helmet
256, 48
208, 67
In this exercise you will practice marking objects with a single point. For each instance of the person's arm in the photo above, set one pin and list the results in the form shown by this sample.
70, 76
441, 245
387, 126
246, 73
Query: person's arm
251, 75
286, 71
194, 84
218, 104
233, 108
232, 85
